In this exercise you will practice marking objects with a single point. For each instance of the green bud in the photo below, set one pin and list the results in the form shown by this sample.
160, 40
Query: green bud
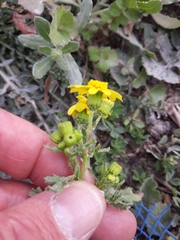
115, 168
94, 100
61, 145
70, 139
65, 128
112, 178
55, 137
78, 134
82, 117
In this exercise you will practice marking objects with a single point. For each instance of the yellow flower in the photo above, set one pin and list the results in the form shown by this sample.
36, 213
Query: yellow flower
95, 86
79, 106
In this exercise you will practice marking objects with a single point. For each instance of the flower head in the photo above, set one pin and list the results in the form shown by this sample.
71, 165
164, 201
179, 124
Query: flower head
95, 86
80, 106
106, 106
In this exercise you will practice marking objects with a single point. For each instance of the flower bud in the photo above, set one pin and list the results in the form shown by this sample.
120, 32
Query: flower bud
94, 100
70, 139
82, 117
61, 145
78, 134
115, 168
112, 178
55, 137
106, 106
65, 128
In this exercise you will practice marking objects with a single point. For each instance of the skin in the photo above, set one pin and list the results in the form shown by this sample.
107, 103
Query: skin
23, 155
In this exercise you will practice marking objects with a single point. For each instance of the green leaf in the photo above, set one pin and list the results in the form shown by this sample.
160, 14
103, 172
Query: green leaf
151, 195
43, 27
131, 3
114, 10
71, 70
121, 4
62, 28
45, 50
94, 53
177, 132
33, 41
175, 181
136, 113
138, 124
106, 16
70, 47
156, 94
132, 14
128, 195
84, 14
140, 80
108, 59
165, 219
166, 21
41, 67
122, 19
151, 6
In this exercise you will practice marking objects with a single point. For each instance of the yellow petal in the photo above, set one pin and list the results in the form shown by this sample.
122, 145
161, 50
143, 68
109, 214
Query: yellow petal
71, 109
93, 91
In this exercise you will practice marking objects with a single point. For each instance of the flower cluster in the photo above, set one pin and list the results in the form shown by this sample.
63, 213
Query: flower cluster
96, 97
114, 170
66, 136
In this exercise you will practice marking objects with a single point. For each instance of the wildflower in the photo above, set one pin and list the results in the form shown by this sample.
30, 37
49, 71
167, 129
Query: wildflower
79, 106
95, 86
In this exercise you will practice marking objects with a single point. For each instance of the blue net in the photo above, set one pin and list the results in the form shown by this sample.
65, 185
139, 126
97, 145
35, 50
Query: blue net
143, 215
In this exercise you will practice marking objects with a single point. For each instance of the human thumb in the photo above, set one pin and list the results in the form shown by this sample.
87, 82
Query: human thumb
72, 214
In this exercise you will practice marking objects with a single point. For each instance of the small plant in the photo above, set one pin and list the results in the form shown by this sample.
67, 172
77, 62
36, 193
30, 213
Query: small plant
94, 101
139, 174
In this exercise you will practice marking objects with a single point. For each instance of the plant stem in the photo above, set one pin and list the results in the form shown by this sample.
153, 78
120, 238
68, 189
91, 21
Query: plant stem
85, 154
98, 12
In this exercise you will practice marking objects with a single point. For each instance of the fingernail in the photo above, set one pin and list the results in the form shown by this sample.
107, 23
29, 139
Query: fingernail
78, 210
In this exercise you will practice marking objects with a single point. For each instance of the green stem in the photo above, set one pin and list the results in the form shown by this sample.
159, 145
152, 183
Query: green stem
98, 12
85, 154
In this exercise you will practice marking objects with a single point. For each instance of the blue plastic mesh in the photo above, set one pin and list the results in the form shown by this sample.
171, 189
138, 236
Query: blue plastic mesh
143, 214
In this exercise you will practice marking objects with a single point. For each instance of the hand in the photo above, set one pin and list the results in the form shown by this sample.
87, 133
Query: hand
79, 212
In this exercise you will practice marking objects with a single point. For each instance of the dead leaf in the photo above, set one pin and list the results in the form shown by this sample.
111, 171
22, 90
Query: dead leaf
128, 28
46, 88
21, 22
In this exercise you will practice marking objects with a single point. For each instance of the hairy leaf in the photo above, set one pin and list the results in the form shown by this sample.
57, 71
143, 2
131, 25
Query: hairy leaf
43, 27
33, 41
41, 67
159, 70
62, 28
71, 69
166, 21
151, 195
70, 47
84, 14
156, 94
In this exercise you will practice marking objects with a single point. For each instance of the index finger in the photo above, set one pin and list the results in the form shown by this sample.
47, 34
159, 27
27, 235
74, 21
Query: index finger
22, 151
